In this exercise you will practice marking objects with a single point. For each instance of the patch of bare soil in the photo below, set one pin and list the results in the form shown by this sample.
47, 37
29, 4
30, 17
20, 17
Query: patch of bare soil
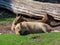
5, 28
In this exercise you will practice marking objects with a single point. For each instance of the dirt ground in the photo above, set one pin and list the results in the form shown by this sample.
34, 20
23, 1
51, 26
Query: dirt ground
5, 28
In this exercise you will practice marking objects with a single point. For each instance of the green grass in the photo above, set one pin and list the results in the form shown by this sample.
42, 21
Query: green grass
12, 39
45, 39
5, 20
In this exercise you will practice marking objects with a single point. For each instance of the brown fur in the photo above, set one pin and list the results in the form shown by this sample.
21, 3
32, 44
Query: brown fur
32, 27
15, 22
19, 19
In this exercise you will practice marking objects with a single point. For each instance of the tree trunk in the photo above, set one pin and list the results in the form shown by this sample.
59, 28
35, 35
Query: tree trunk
32, 8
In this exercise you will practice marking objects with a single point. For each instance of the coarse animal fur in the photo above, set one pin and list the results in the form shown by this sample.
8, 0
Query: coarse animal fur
32, 27
19, 19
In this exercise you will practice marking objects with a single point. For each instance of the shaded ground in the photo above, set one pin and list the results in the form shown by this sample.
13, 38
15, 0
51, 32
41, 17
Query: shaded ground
57, 26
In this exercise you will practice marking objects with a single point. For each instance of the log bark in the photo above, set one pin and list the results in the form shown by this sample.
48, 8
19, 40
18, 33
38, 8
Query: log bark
31, 8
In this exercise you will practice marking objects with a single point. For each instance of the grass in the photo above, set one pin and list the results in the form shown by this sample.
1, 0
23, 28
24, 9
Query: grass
12, 39
45, 39
5, 20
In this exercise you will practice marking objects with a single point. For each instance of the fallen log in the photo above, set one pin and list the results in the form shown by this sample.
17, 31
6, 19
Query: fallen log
31, 8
